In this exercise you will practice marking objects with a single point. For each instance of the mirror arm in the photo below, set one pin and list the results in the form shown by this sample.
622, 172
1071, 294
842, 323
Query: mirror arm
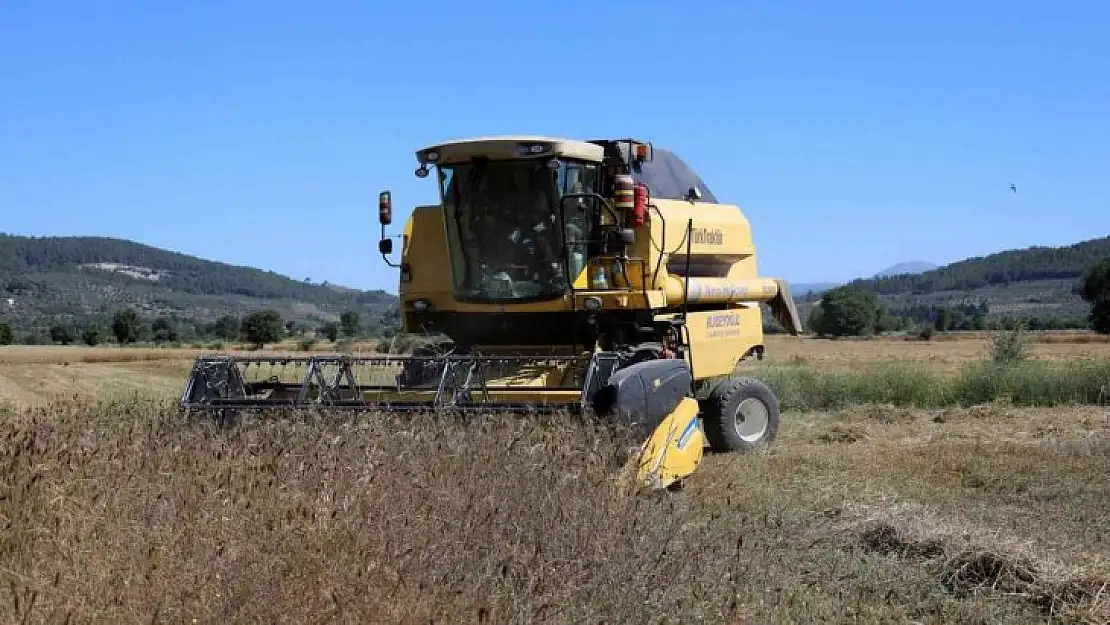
385, 254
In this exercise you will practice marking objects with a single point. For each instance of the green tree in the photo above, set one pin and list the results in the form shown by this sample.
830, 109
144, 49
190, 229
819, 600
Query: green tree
62, 333
1096, 292
264, 326
125, 326
889, 322
348, 321
330, 330
226, 327
848, 311
979, 322
91, 336
164, 330
944, 321
813, 322
7, 337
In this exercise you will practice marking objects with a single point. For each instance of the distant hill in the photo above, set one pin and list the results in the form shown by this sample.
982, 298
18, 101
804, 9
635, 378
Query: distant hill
1032, 264
800, 289
911, 267
1038, 283
46, 279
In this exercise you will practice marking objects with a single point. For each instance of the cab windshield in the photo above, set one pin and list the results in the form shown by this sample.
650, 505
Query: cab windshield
504, 230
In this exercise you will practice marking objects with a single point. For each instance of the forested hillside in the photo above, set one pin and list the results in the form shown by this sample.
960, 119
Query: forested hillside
46, 280
174, 271
1038, 284
1024, 265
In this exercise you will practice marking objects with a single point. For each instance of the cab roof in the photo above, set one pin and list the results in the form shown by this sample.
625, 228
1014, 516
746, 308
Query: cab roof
509, 146
666, 175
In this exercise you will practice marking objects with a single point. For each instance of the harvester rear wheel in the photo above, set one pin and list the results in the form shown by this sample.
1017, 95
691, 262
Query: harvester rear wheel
740, 414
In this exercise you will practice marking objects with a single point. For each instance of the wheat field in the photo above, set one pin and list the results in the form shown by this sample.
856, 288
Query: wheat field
116, 509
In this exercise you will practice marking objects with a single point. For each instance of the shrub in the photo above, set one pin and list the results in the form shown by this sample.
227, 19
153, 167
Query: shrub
1009, 346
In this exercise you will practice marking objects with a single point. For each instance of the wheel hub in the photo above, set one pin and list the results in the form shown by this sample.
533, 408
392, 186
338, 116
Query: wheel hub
751, 420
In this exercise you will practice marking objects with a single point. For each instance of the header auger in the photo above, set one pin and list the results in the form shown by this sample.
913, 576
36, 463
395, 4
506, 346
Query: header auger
598, 277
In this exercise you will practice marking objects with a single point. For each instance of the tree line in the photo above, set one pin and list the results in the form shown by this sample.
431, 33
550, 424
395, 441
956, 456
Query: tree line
852, 310
127, 326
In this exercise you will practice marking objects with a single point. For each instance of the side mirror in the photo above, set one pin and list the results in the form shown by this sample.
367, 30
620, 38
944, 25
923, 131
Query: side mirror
385, 246
693, 194
385, 208
616, 240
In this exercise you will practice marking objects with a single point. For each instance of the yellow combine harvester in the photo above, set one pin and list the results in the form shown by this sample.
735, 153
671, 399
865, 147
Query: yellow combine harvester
592, 276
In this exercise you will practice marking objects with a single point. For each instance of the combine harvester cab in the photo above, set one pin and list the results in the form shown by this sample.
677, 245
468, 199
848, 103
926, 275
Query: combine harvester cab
596, 277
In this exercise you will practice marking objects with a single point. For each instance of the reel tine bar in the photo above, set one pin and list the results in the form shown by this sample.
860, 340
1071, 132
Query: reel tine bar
451, 382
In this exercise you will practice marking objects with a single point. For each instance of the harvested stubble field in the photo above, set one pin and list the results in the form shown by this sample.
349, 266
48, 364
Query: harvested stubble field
943, 354
115, 509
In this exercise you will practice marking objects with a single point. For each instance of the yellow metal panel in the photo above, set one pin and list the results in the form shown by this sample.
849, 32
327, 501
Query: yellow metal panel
674, 449
721, 232
581, 281
720, 338
425, 250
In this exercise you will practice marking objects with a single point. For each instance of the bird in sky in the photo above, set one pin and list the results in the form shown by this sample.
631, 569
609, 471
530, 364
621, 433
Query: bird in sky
1013, 187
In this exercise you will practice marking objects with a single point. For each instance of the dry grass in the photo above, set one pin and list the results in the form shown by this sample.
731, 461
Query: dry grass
58, 354
946, 351
30, 375
33, 384
942, 354
122, 512
117, 510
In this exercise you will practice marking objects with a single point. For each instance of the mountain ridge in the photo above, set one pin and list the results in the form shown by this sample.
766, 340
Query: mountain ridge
912, 266
46, 278
1039, 283
908, 267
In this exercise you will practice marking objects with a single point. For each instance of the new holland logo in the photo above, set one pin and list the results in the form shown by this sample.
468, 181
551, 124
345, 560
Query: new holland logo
705, 236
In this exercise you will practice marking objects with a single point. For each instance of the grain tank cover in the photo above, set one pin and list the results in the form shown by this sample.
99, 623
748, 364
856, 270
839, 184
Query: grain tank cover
668, 177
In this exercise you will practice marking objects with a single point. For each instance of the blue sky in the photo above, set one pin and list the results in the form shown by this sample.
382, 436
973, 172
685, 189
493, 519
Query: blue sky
853, 134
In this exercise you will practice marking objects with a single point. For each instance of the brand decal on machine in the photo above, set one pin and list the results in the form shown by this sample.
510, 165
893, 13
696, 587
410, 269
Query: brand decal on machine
706, 236
700, 290
687, 433
722, 326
